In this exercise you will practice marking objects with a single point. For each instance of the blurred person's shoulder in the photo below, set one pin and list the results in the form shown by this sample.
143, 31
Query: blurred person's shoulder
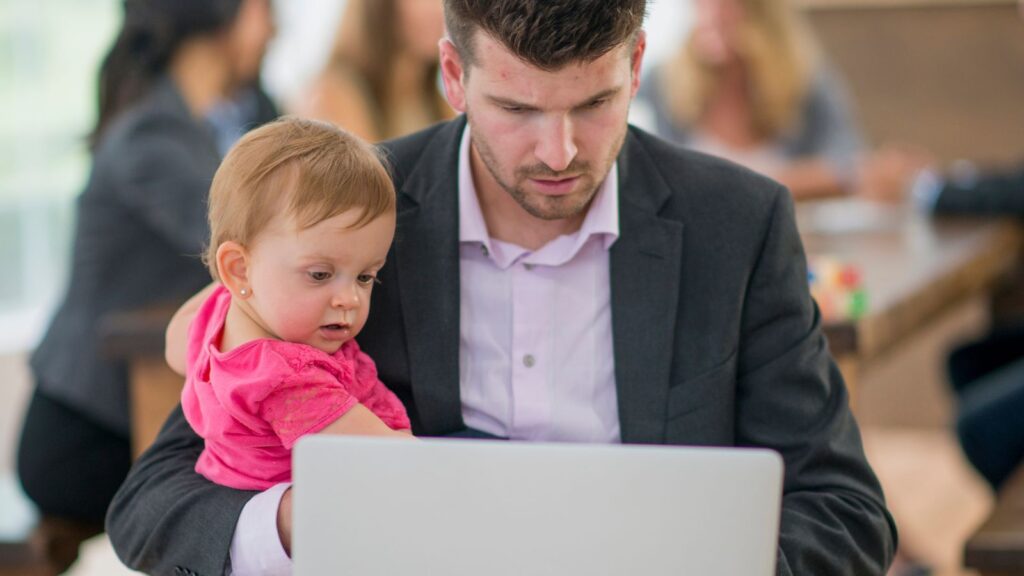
160, 114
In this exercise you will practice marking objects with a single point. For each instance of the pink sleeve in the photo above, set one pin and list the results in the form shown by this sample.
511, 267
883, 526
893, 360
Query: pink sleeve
305, 403
388, 408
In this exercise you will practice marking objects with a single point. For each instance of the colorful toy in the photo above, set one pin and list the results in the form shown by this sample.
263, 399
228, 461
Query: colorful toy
837, 287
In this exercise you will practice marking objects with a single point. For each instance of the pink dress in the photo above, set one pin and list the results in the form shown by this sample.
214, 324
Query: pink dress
253, 403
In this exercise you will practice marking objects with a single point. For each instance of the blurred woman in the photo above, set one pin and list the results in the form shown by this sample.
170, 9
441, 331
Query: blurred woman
749, 84
381, 80
141, 225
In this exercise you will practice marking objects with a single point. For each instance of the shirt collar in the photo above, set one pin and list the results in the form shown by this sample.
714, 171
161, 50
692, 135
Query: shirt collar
602, 219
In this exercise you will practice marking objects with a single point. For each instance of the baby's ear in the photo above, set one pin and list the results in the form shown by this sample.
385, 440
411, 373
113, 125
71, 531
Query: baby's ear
233, 268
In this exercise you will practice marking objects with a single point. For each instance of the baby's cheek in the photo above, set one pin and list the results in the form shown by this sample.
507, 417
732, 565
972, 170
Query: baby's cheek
296, 326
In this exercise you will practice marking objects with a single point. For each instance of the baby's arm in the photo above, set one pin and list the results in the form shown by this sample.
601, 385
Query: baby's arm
176, 337
360, 421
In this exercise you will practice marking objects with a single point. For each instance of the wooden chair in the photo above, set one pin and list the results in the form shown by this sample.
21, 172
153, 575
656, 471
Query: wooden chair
997, 548
37, 546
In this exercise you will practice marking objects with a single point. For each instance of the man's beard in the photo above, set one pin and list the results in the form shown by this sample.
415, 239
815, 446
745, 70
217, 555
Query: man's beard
547, 207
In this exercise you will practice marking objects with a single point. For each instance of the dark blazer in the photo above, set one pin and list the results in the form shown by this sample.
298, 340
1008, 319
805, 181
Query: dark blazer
717, 342
992, 194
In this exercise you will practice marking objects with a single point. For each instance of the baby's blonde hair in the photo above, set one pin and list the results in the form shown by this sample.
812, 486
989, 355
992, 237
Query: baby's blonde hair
307, 170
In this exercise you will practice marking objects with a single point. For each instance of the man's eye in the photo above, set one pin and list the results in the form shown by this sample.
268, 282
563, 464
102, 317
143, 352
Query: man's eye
514, 109
367, 279
597, 103
319, 276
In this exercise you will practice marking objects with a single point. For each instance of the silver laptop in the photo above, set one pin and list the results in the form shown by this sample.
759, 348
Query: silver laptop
374, 506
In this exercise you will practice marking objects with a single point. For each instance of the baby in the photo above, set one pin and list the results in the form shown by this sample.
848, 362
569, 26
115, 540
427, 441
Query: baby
301, 218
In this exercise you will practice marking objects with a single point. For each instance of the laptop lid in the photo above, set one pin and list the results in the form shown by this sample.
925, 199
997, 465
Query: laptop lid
375, 506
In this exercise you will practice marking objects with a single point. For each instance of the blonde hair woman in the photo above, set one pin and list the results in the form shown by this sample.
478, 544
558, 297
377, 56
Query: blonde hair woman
381, 80
749, 84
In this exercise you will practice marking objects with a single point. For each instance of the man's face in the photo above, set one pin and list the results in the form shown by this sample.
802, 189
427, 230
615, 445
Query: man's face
546, 138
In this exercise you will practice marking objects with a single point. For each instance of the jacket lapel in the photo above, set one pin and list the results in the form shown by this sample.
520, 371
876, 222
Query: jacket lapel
645, 287
427, 253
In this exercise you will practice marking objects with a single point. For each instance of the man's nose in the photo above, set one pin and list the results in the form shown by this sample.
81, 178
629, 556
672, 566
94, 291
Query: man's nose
556, 146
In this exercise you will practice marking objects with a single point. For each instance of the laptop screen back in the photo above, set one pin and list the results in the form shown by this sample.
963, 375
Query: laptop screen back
373, 506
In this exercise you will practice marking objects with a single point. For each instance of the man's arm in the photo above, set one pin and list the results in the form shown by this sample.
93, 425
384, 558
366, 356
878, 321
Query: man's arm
990, 194
166, 516
791, 398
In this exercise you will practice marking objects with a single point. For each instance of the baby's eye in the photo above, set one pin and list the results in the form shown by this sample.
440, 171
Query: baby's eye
319, 275
367, 279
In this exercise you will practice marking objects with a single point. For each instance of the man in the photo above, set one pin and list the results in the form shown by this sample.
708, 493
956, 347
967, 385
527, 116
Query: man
558, 275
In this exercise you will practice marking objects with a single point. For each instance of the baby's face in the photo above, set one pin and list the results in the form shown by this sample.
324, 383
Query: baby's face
313, 285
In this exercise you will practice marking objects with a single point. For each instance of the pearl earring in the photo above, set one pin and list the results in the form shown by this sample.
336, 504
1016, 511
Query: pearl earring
244, 291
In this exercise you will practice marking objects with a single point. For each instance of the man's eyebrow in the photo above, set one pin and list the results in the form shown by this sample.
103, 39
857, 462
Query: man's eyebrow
509, 103
601, 96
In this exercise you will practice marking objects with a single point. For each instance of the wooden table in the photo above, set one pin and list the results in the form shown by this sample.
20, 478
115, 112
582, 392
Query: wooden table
913, 268
997, 548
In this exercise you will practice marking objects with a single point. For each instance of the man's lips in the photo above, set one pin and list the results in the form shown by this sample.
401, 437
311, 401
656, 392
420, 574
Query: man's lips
556, 186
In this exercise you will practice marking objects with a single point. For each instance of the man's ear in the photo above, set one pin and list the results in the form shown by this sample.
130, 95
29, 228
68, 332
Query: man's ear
233, 269
636, 61
452, 73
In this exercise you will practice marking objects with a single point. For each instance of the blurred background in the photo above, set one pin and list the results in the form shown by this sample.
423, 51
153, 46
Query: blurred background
897, 124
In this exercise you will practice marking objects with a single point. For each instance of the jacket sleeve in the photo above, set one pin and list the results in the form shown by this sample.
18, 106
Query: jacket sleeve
791, 398
168, 520
994, 194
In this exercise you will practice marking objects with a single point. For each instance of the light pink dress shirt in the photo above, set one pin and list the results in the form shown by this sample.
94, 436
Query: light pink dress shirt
535, 348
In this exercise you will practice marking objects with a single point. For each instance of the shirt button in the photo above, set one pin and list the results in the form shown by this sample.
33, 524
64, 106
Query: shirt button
528, 267
529, 361
483, 248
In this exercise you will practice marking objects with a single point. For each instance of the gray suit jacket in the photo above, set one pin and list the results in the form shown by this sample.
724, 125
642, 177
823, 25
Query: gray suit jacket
140, 227
717, 342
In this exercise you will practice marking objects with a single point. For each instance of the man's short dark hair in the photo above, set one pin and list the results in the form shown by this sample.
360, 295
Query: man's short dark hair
548, 34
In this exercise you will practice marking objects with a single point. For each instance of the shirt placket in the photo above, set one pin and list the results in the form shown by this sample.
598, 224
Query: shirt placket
531, 409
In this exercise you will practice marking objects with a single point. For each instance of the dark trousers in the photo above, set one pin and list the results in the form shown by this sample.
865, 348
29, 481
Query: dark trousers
974, 361
988, 378
69, 465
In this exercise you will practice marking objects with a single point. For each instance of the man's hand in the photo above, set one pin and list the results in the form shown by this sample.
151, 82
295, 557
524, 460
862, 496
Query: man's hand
284, 521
